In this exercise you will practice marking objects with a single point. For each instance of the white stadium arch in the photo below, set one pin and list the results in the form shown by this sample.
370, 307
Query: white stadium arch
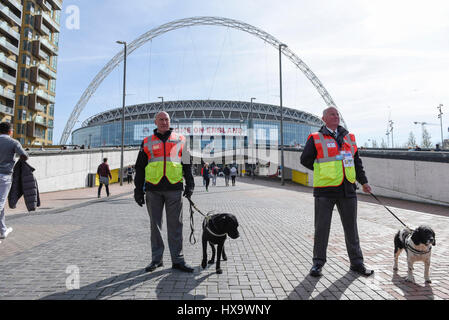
182, 23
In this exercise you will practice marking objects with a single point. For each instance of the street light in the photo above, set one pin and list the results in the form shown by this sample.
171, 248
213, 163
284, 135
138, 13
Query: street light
440, 116
282, 112
251, 132
163, 106
123, 111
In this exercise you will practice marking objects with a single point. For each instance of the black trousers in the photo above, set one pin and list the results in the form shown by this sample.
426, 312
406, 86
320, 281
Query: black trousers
107, 189
347, 208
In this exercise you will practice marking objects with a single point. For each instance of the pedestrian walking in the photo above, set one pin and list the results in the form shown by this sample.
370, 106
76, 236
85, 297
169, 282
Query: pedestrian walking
206, 175
129, 175
162, 162
227, 174
332, 155
104, 174
214, 175
234, 173
8, 148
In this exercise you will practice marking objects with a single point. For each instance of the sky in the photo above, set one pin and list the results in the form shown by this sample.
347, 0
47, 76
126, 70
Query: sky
379, 60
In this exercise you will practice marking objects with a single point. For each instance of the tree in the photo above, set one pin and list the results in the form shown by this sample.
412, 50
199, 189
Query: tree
411, 142
374, 143
426, 142
383, 144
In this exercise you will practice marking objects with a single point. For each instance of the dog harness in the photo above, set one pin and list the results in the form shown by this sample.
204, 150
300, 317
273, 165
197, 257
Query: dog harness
415, 251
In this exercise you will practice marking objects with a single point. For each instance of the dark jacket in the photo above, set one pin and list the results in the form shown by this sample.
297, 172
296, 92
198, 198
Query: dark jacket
164, 184
206, 173
24, 183
346, 189
103, 170
226, 171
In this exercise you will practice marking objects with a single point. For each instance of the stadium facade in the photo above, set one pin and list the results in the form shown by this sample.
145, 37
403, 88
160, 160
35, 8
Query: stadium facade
215, 122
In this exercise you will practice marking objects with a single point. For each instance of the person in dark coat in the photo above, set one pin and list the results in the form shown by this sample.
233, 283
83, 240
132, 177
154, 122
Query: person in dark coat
331, 138
24, 184
104, 174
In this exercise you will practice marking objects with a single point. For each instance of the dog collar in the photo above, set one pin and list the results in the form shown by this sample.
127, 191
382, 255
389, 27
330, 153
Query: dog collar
210, 231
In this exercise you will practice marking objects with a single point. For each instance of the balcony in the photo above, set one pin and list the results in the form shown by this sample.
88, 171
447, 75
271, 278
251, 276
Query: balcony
8, 46
49, 46
8, 94
57, 4
31, 129
37, 52
10, 31
33, 104
7, 62
16, 4
45, 4
47, 71
45, 96
41, 121
9, 15
7, 77
40, 26
52, 24
6, 110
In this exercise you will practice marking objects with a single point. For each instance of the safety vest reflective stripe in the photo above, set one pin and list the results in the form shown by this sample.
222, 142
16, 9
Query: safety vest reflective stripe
164, 159
329, 168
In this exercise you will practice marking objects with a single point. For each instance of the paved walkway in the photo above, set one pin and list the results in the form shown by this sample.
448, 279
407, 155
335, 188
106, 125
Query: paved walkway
105, 244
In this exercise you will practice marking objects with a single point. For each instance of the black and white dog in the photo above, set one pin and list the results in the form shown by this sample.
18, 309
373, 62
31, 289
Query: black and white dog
215, 230
418, 245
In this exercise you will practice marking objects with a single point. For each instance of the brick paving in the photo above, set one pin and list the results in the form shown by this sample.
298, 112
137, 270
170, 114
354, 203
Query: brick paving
108, 242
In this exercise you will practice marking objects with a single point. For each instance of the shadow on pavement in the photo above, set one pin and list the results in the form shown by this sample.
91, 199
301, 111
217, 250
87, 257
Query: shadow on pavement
107, 288
173, 286
118, 285
334, 292
412, 291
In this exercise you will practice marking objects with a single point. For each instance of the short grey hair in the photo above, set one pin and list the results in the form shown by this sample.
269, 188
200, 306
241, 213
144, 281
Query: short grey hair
328, 108
158, 113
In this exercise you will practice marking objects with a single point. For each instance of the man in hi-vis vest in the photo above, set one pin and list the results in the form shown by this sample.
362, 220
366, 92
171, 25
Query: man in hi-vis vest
332, 155
162, 163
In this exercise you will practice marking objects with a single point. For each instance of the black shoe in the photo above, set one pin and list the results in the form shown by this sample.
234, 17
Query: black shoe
360, 269
182, 267
153, 265
316, 270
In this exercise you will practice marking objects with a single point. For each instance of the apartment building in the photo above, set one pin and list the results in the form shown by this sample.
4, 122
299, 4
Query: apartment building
36, 71
10, 25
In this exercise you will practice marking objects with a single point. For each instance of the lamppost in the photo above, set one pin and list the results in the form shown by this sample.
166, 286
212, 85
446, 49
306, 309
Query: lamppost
391, 130
123, 111
251, 132
440, 116
163, 106
282, 112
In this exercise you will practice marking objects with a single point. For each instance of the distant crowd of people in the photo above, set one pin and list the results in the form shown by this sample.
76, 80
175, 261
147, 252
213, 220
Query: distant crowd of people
212, 171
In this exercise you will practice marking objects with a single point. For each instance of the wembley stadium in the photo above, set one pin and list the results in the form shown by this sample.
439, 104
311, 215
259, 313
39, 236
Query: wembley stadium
206, 120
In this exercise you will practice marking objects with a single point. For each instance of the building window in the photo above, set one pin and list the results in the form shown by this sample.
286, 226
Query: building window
54, 62
50, 134
52, 110
30, 6
26, 59
53, 86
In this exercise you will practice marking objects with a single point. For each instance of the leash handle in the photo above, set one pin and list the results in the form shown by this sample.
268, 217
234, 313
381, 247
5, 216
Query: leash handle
389, 211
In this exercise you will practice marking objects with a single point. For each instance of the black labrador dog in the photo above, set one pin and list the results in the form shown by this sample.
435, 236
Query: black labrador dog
216, 227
